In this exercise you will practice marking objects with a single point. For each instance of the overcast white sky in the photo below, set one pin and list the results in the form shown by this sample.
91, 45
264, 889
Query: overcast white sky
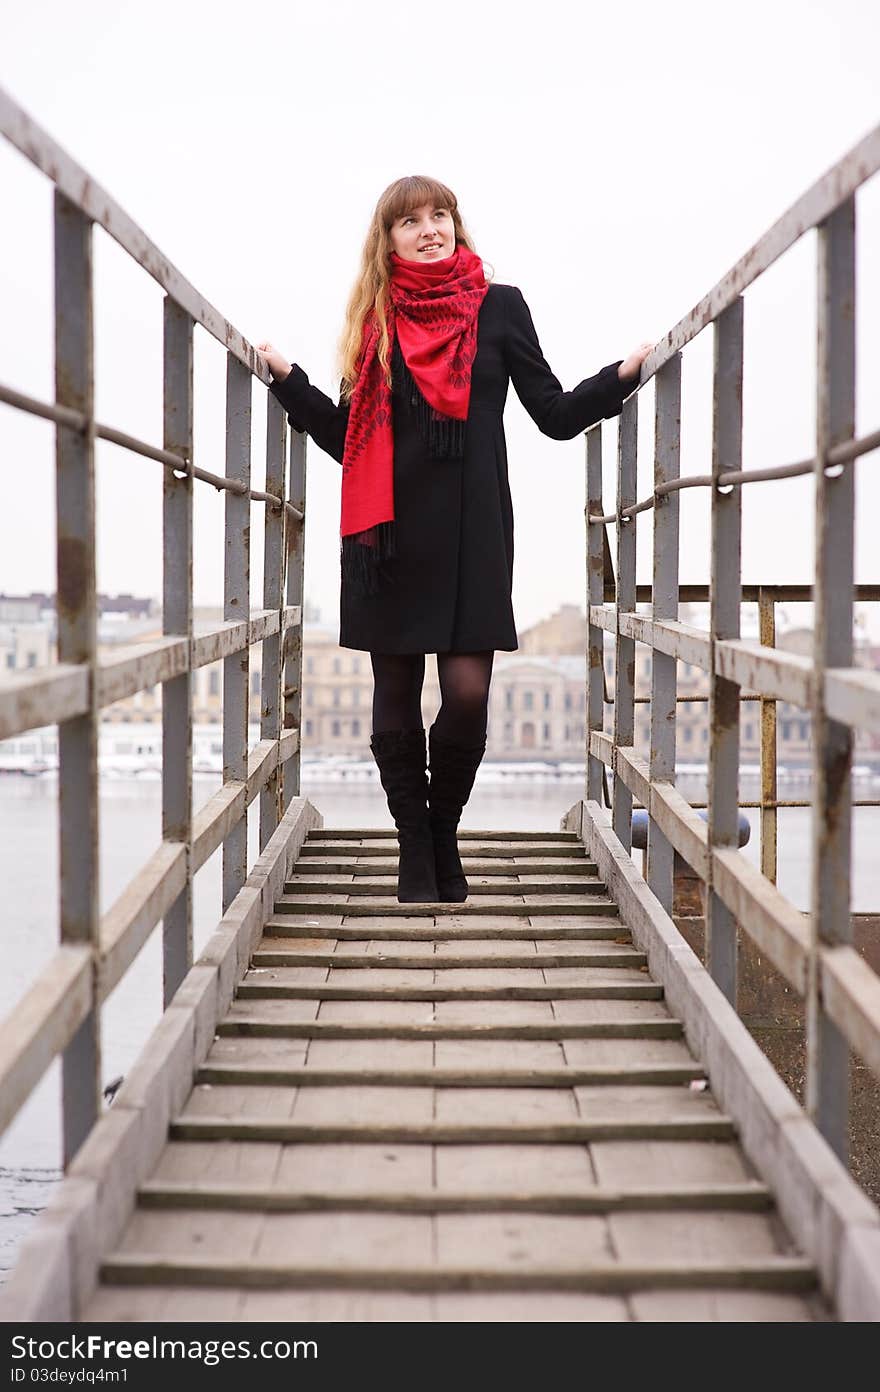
612, 161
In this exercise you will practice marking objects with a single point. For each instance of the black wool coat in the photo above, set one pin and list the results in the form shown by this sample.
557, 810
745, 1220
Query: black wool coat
449, 585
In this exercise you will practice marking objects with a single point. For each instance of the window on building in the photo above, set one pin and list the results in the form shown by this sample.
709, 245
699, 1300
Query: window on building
355, 664
705, 736
337, 696
308, 727
547, 700
355, 695
805, 729
528, 700
567, 701
687, 734
214, 681
546, 732
749, 732
32, 659
355, 727
335, 728
10, 659
508, 698
310, 665
786, 729
337, 666
310, 697
255, 681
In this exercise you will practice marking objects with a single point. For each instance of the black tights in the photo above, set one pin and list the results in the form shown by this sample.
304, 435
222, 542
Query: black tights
464, 691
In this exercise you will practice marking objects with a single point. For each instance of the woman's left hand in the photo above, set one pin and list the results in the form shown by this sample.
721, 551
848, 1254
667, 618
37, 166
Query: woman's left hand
631, 366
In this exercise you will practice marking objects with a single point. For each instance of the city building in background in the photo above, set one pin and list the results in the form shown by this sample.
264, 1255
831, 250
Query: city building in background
537, 700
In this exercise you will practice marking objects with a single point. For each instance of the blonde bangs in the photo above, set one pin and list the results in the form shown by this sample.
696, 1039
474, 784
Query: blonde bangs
406, 194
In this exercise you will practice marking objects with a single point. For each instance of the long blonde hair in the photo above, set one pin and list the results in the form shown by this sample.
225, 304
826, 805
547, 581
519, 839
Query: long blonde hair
370, 290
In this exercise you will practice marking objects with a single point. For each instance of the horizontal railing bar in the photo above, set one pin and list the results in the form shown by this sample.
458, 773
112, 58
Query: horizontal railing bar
786, 676
841, 454
853, 697
41, 1024
88, 195
827, 193
127, 925
121, 674
44, 696
851, 996
775, 926
76, 420
213, 822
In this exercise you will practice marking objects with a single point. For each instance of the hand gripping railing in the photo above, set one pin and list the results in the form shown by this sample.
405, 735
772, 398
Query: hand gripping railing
815, 954
61, 1011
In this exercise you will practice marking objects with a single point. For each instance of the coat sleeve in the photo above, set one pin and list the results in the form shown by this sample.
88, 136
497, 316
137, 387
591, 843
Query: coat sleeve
557, 413
309, 410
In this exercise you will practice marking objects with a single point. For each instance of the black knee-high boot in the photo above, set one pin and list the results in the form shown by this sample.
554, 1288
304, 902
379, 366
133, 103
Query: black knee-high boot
400, 757
453, 771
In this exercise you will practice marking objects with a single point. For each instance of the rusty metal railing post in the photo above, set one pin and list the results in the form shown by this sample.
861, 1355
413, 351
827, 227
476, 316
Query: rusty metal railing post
624, 647
827, 1051
77, 643
177, 618
726, 594
769, 813
293, 654
236, 609
667, 443
595, 596
273, 598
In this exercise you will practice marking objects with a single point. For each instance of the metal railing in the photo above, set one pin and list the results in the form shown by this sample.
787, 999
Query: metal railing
61, 1012
814, 953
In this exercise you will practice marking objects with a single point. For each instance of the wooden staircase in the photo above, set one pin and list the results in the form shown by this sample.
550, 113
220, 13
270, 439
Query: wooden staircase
478, 1111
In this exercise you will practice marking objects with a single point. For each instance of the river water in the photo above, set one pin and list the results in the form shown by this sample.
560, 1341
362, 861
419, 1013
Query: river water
130, 826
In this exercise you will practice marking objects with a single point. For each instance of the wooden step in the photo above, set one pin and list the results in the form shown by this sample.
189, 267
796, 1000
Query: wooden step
255, 990
748, 1197
382, 886
771, 1273
359, 927
220, 1128
290, 1075
473, 865
569, 905
387, 849
257, 1026
403, 960
323, 834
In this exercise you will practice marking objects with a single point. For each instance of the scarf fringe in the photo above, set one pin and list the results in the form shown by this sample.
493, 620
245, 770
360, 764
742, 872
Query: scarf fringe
443, 435
365, 557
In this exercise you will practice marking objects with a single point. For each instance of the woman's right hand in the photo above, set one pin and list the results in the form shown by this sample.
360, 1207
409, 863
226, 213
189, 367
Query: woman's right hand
275, 361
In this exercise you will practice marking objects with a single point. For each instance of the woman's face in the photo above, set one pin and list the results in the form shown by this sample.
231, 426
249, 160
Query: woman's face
424, 234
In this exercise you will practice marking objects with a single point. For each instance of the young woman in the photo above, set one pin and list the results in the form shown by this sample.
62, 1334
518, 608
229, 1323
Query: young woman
427, 352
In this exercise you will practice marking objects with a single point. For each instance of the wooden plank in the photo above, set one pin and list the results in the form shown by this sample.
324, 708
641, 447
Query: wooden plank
357, 928
205, 1128
383, 885
732, 1198
399, 959
322, 1029
774, 1273
308, 1076
328, 992
484, 904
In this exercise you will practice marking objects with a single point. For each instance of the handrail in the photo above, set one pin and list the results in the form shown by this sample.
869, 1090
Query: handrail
815, 953
61, 1013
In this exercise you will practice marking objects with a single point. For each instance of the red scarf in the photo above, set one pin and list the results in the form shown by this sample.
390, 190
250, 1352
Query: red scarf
432, 312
